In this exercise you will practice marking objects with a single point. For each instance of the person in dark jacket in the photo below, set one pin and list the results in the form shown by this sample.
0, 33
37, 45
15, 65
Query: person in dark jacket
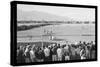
20, 56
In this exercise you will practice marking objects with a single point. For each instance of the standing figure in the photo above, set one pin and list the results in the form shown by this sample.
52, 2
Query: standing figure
47, 53
59, 53
54, 53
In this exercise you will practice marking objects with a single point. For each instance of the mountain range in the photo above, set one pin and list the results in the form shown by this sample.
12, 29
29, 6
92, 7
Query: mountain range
39, 16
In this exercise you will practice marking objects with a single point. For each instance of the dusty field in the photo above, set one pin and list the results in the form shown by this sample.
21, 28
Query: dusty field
69, 32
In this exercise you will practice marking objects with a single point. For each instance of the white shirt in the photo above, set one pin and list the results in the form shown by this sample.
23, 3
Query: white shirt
46, 52
26, 50
66, 48
59, 52
32, 54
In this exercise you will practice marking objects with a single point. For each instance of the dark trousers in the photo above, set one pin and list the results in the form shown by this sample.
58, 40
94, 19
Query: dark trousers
47, 58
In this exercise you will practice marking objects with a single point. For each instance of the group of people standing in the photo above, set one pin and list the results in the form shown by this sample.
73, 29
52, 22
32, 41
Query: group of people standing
55, 52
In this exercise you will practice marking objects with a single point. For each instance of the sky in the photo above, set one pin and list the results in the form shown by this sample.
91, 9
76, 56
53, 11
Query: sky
79, 14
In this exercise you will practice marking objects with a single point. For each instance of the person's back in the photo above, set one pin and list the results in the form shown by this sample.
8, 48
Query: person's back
83, 54
59, 54
73, 51
20, 57
78, 51
46, 52
66, 49
87, 52
41, 54
32, 55
26, 50
54, 50
92, 52
59, 51
54, 53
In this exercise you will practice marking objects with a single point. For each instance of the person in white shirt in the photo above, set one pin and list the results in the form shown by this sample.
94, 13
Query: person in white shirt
32, 55
82, 54
27, 54
59, 53
46, 53
26, 50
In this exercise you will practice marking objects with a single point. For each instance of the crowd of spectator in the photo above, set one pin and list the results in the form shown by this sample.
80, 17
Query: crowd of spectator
56, 52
